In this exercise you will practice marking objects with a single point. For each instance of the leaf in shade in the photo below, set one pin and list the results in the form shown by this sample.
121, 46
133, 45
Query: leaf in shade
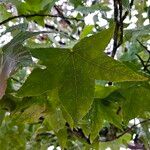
62, 137
137, 102
101, 109
20, 38
13, 56
10, 62
19, 27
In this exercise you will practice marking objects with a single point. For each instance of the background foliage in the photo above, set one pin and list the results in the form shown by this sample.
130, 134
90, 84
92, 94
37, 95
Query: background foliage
74, 74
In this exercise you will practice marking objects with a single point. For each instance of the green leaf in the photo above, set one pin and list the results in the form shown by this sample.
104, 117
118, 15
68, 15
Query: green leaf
3, 13
75, 72
101, 110
93, 8
62, 137
77, 88
13, 56
115, 145
67, 117
137, 102
36, 111
55, 117
102, 92
125, 3
35, 6
76, 3
94, 45
102, 67
20, 38
49, 57
87, 30
137, 32
20, 27
2, 115
15, 2
7, 103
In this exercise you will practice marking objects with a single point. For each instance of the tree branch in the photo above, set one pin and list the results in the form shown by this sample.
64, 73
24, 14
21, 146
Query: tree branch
142, 45
37, 15
127, 12
127, 130
62, 15
116, 32
79, 133
118, 19
145, 64
60, 31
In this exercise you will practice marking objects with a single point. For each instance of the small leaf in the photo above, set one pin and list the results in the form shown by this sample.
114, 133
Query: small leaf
87, 30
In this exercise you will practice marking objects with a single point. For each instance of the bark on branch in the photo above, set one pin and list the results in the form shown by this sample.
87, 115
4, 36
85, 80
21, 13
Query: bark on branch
37, 15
